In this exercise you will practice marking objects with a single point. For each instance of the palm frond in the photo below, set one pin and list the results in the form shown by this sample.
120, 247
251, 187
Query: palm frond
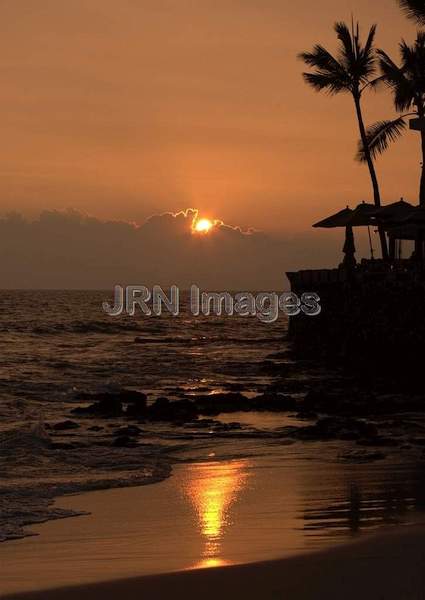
320, 58
344, 36
370, 40
397, 79
414, 9
379, 136
326, 82
367, 55
350, 70
376, 83
357, 59
406, 81
420, 37
407, 54
329, 74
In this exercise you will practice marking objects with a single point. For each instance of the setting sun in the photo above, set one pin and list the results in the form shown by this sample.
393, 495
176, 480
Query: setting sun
203, 226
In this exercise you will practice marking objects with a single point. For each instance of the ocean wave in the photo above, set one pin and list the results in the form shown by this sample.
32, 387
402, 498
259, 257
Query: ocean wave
107, 327
33, 472
204, 339
90, 326
31, 440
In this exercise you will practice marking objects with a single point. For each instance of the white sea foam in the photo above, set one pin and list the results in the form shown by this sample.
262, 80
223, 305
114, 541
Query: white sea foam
32, 474
56, 344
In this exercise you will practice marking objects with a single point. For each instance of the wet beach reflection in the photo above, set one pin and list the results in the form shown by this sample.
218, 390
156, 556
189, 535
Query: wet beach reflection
213, 488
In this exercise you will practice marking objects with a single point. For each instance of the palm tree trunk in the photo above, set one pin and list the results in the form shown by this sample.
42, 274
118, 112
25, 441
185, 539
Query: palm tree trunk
372, 172
422, 184
421, 113
419, 241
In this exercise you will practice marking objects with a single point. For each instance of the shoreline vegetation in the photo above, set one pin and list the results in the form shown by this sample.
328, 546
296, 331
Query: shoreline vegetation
388, 566
357, 68
372, 312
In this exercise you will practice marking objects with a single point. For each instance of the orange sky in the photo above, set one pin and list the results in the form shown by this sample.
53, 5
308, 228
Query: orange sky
132, 108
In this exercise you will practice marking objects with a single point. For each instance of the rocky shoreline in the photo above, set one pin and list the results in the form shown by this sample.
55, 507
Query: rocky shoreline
334, 409
116, 428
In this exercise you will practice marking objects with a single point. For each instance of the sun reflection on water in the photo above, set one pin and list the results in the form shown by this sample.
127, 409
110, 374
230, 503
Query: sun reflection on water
212, 488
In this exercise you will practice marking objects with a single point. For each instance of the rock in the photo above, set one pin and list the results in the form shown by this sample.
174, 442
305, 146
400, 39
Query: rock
314, 399
214, 404
233, 386
278, 387
95, 428
307, 415
123, 441
385, 442
284, 355
128, 430
179, 410
349, 436
63, 446
136, 411
273, 402
336, 427
291, 386
349, 402
123, 395
133, 397
355, 400
232, 426
65, 425
109, 406
213, 424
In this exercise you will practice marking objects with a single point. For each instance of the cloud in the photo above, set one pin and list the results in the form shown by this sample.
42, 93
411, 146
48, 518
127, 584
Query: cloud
69, 249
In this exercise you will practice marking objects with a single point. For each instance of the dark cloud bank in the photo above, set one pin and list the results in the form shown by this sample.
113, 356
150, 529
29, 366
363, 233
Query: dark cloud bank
70, 250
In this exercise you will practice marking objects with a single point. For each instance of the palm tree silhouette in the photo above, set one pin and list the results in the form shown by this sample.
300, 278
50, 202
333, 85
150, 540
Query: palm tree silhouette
414, 9
351, 71
407, 84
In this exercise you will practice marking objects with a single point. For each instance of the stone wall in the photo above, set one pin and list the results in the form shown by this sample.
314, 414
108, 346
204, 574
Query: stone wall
376, 325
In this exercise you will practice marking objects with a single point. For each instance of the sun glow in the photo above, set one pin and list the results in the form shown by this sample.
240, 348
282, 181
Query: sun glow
202, 226
213, 489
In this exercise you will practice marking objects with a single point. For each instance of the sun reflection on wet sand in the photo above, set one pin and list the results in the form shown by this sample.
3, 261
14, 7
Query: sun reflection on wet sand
212, 488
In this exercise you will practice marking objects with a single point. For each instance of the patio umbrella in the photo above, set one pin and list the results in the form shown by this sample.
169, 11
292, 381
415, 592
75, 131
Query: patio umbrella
349, 248
416, 216
396, 212
339, 219
361, 216
416, 220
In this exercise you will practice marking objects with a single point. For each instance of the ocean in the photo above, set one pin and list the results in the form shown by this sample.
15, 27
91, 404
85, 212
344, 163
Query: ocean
58, 347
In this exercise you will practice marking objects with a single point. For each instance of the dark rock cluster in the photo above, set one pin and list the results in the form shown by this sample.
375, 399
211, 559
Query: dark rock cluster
135, 405
331, 411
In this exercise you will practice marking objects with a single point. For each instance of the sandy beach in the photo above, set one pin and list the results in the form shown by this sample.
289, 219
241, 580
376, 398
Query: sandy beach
385, 567
155, 541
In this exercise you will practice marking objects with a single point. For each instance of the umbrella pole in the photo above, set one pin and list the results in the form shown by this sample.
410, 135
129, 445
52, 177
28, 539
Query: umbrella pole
392, 248
370, 242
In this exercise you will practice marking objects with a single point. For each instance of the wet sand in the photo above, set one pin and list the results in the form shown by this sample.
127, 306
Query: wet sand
210, 514
206, 514
390, 566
